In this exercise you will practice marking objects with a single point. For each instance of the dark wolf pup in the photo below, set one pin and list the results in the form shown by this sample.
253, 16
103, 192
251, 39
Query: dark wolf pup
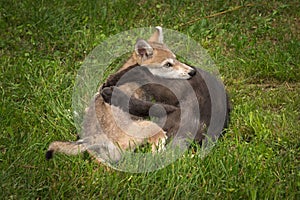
148, 85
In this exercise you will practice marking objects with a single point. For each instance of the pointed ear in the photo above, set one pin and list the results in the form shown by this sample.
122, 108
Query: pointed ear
143, 49
157, 36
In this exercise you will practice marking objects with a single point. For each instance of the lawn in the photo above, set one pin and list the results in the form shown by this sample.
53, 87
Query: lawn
256, 47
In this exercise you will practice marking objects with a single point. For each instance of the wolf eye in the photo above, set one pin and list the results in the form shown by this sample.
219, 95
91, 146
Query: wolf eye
168, 64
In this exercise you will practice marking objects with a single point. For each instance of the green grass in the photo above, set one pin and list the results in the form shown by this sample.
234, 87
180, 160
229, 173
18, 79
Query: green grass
42, 45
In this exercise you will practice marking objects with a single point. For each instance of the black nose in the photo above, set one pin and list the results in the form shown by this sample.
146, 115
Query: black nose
193, 72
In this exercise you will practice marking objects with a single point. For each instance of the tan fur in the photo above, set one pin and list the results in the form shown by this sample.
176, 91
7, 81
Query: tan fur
160, 53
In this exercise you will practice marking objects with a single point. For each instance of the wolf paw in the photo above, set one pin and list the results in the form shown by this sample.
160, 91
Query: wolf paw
159, 142
106, 94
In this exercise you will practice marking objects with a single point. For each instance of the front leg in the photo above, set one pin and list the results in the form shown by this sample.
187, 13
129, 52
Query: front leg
133, 73
113, 79
134, 106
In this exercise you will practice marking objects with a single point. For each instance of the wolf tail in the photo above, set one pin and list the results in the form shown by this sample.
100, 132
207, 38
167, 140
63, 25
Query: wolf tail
70, 148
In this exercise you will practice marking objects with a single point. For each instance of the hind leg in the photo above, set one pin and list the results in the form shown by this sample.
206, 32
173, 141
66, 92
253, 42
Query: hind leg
69, 148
